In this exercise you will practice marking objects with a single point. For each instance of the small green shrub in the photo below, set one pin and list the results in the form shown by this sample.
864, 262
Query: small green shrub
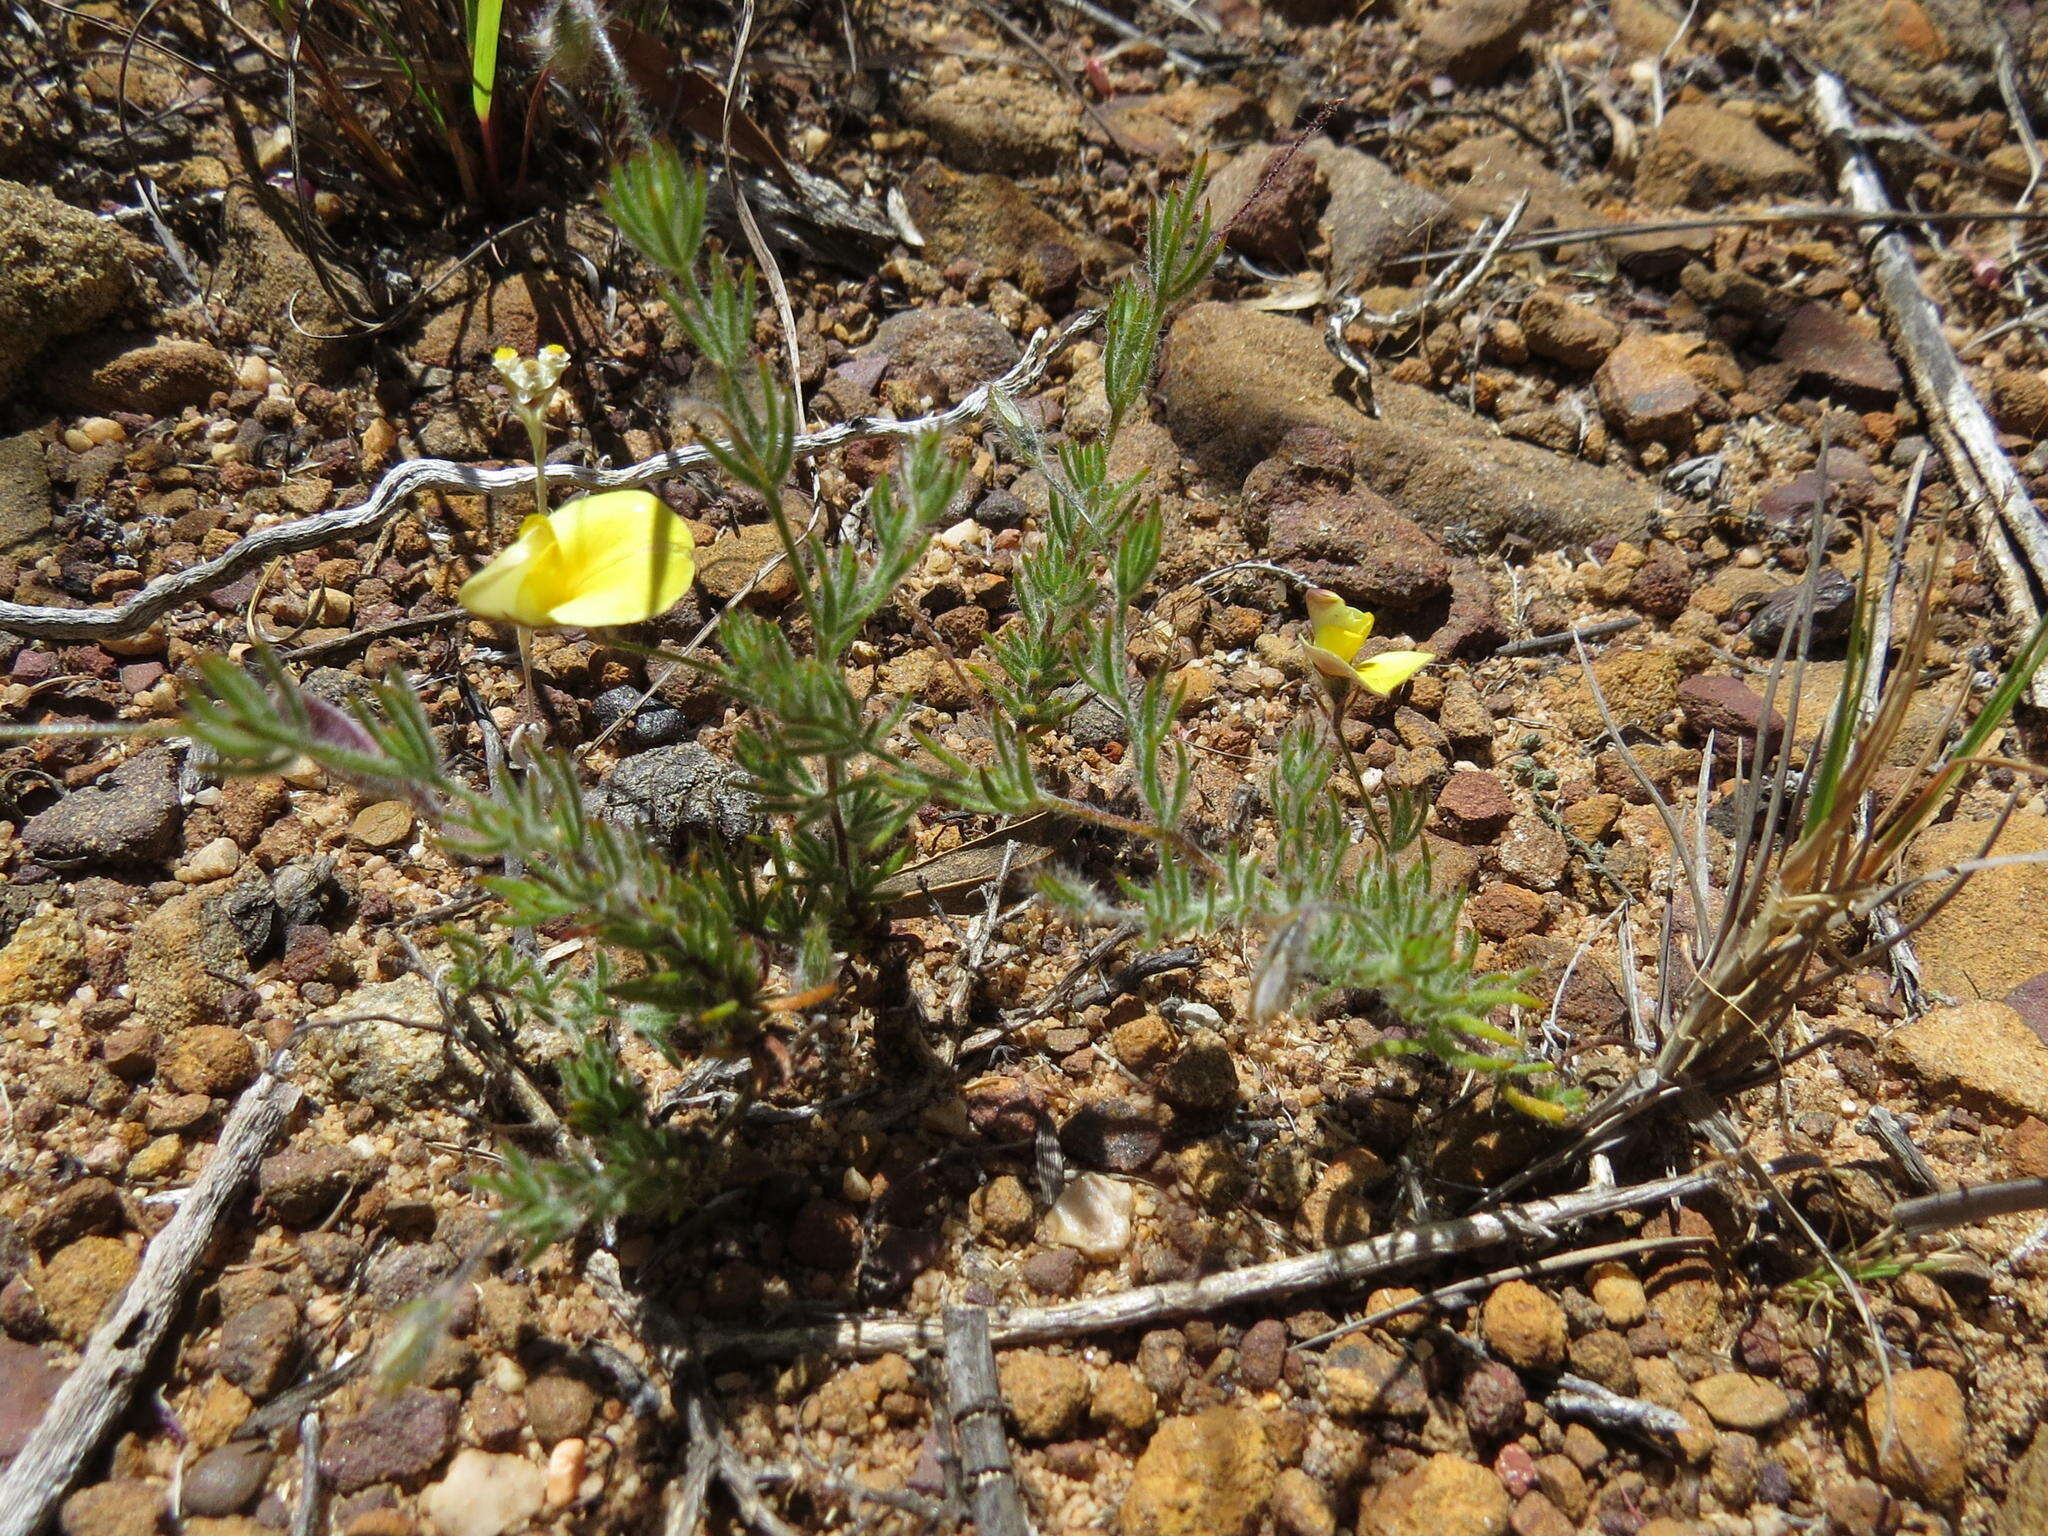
697, 954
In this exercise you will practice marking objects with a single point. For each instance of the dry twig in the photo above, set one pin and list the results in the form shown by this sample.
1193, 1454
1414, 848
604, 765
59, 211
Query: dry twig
1976, 1202
404, 481
974, 1402
1258, 1283
2008, 525
96, 1394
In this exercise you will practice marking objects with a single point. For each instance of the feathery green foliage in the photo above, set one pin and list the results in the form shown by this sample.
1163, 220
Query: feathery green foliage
694, 956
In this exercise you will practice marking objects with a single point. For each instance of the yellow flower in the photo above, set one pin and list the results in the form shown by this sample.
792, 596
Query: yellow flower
617, 558
1337, 630
532, 380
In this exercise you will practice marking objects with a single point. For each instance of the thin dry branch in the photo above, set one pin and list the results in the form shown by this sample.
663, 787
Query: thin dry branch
2008, 525
395, 491
1456, 1291
974, 1402
96, 1395
1973, 1203
1258, 1283
1444, 292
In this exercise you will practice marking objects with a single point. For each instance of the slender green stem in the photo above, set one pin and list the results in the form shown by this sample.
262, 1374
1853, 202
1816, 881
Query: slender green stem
537, 437
790, 549
1337, 696
841, 843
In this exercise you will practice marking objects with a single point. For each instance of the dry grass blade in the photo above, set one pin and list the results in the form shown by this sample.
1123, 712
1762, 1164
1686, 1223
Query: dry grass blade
1817, 855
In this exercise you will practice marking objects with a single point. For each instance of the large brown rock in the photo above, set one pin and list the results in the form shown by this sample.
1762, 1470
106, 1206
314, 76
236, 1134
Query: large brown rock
1646, 391
274, 283
1046, 1394
1980, 1053
991, 121
1365, 1379
1235, 382
1639, 688
525, 313
1172, 126
1702, 156
396, 1439
1346, 539
1924, 58
182, 961
1567, 331
155, 376
2025, 1511
1264, 202
79, 1282
129, 817
1474, 40
991, 220
2019, 399
1371, 215
1915, 1434
1524, 1325
25, 507
45, 960
28, 1380
1836, 355
1490, 173
122, 1506
1990, 938
1445, 1496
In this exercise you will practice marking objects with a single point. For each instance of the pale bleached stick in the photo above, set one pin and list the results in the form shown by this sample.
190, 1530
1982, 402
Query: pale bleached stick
1257, 1283
402, 482
2009, 527
96, 1395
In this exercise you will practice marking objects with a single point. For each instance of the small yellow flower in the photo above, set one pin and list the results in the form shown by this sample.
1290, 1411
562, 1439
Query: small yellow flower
616, 558
1337, 630
532, 380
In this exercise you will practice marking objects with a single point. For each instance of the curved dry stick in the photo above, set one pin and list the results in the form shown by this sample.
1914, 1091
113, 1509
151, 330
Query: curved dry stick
96, 1395
404, 481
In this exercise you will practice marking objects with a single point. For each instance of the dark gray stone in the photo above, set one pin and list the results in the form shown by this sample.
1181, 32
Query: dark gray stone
259, 1345
129, 817
679, 794
307, 893
653, 724
303, 1185
226, 1480
1115, 1135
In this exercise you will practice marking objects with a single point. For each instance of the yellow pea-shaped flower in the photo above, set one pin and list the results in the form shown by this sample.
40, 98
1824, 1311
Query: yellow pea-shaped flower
1337, 630
615, 558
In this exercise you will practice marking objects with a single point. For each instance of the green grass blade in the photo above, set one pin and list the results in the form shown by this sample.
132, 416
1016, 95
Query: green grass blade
486, 18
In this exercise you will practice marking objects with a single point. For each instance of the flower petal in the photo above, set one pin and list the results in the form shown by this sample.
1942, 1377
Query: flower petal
1337, 626
1390, 669
625, 557
523, 582
1328, 663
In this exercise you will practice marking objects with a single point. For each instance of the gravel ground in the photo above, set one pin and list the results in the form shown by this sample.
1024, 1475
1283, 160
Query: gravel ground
1630, 431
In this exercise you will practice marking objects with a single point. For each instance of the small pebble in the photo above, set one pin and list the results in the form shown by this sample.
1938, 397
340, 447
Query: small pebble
383, 825
216, 861
1093, 1214
565, 1472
